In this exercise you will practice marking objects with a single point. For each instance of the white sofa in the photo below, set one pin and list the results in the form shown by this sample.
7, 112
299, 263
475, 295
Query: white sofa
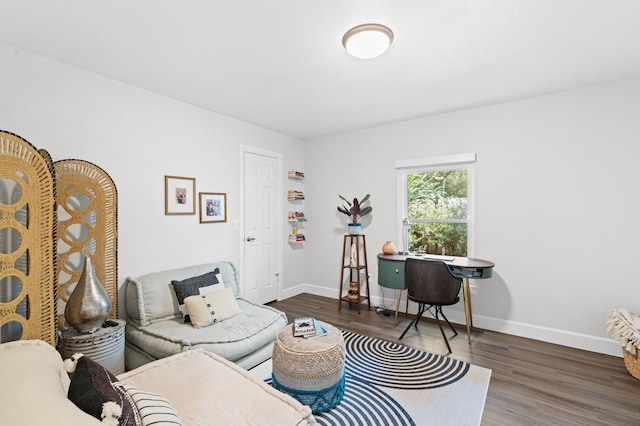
204, 388
156, 329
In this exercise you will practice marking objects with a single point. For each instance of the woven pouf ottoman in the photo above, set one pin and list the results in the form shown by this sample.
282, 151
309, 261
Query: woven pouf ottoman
310, 370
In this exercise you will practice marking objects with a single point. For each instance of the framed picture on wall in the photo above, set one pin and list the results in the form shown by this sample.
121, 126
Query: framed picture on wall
213, 207
179, 195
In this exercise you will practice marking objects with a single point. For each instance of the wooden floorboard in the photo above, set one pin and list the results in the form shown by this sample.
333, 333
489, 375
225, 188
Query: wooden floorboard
532, 382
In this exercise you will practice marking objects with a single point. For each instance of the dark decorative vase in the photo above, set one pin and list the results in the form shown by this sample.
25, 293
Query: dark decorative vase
89, 304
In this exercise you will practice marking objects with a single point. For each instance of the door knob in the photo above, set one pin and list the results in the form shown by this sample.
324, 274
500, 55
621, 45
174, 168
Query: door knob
250, 239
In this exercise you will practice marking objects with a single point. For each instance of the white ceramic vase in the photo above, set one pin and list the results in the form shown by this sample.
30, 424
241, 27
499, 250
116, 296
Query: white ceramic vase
389, 248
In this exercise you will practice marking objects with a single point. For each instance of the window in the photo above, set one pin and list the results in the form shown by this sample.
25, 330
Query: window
436, 205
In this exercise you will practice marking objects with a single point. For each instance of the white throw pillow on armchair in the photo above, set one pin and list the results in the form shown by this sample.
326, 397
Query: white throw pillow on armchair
207, 309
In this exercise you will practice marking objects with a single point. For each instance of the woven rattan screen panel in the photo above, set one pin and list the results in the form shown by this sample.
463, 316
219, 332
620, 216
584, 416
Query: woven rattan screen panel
27, 242
87, 225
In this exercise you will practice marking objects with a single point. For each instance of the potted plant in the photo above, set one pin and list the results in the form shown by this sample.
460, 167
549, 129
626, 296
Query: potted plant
355, 209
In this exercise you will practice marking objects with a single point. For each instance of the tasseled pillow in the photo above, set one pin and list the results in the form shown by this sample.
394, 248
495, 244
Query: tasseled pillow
624, 326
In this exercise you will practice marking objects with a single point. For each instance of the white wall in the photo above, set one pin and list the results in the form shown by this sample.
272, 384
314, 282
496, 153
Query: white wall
139, 137
556, 206
555, 184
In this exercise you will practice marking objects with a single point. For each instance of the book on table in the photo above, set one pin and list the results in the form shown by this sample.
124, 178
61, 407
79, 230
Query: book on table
304, 326
321, 331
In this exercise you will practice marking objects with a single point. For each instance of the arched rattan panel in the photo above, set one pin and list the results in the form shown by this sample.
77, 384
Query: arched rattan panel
27, 242
87, 225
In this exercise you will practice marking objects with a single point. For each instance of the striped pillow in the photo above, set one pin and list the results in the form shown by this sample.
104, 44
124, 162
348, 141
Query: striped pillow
154, 409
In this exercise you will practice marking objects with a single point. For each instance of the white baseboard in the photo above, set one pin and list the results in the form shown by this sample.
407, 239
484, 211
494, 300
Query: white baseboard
308, 288
545, 334
530, 331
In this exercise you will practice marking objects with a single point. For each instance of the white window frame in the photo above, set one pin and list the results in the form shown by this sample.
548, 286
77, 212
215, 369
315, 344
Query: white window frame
447, 162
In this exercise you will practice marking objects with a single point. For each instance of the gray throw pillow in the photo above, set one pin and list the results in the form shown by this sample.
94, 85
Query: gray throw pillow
191, 287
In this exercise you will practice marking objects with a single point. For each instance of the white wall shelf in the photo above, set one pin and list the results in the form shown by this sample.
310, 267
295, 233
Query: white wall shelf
296, 218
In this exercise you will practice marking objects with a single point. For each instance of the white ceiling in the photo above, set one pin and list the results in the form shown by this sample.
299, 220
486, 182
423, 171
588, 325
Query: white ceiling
280, 63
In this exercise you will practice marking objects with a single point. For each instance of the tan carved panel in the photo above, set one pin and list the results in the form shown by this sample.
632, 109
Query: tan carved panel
87, 225
27, 242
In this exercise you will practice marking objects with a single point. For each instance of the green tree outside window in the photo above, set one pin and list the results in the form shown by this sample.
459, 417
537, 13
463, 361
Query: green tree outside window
437, 207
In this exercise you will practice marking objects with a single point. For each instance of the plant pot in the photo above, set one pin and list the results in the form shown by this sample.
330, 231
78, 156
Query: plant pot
355, 229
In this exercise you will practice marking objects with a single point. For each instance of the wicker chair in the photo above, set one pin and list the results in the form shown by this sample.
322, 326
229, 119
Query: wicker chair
431, 285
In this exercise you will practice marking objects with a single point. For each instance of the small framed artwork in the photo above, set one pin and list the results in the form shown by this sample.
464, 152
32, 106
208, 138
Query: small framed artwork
179, 195
213, 207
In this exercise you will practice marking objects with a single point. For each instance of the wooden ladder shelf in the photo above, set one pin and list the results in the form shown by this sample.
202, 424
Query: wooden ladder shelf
355, 266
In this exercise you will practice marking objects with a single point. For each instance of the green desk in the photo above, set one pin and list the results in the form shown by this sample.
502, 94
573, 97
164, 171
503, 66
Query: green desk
391, 275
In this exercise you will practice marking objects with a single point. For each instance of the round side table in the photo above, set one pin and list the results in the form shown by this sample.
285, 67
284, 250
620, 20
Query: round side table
104, 346
310, 370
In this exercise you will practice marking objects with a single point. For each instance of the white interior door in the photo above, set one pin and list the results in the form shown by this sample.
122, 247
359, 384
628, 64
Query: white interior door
261, 201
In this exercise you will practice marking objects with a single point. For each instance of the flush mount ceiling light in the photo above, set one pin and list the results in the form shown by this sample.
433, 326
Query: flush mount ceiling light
367, 40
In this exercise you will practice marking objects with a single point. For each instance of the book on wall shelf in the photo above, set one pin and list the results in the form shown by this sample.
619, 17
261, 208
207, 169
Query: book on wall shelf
297, 217
295, 195
295, 175
297, 238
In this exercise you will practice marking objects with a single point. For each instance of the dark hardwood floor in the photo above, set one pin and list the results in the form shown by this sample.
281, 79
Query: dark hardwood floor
532, 382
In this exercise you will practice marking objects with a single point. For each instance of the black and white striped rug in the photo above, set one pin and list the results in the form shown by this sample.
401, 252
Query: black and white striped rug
392, 384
